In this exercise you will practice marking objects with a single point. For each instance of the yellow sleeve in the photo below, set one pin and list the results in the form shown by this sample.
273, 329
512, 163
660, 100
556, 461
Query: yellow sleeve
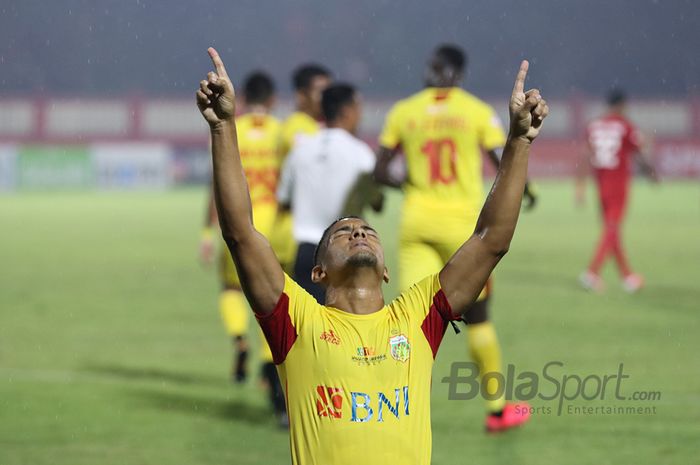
491, 134
301, 303
282, 326
391, 133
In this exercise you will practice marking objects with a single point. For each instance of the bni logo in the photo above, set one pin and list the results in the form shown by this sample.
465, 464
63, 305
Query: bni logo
329, 403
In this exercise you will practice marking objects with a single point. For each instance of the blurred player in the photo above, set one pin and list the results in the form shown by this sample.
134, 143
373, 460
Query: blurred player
308, 81
357, 373
612, 142
320, 175
442, 130
258, 136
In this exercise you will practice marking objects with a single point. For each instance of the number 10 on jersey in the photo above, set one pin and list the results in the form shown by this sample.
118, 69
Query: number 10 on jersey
442, 160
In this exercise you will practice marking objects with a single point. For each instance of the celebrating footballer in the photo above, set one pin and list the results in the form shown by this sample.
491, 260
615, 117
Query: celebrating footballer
357, 371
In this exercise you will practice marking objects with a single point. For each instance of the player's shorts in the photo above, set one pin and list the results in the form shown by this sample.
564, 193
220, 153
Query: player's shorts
613, 199
264, 220
283, 242
428, 239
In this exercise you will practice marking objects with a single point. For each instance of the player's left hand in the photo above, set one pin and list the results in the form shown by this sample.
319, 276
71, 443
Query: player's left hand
527, 109
529, 196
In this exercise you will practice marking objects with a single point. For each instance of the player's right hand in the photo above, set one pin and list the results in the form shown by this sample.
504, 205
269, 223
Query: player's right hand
216, 98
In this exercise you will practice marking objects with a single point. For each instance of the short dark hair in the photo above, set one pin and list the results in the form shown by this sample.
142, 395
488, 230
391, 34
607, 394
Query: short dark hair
258, 87
304, 74
616, 96
322, 246
334, 98
453, 56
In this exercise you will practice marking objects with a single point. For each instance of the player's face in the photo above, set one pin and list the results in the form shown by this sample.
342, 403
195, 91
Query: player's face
354, 112
316, 88
354, 244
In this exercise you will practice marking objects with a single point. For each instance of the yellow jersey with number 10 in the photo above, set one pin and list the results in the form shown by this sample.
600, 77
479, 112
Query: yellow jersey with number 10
442, 132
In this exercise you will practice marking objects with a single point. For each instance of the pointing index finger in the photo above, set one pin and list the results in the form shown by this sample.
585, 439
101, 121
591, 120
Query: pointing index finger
519, 86
218, 64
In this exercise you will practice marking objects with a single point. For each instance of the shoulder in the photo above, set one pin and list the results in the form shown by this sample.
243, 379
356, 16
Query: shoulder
273, 122
419, 297
243, 120
472, 101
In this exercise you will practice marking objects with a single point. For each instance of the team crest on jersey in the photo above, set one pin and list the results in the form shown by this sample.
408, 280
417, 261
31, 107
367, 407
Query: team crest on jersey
400, 348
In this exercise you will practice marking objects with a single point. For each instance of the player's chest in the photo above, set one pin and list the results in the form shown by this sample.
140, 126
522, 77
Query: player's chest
339, 348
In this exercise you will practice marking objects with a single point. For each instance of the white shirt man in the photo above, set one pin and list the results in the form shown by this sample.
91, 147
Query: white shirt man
317, 178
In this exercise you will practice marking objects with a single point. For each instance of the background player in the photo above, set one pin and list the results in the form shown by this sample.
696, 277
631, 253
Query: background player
320, 175
258, 136
612, 142
314, 345
442, 130
309, 81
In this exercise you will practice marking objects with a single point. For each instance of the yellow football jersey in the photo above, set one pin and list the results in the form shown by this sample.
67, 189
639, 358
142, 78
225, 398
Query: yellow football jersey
442, 132
259, 146
358, 386
295, 124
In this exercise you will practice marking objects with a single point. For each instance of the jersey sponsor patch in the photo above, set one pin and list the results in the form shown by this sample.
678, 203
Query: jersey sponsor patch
400, 349
366, 356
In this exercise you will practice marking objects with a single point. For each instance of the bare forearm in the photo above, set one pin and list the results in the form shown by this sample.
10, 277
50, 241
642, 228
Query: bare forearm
381, 169
499, 215
230, 186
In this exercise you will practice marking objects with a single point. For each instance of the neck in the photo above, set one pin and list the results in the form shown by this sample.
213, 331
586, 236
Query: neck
359, 293
339, 125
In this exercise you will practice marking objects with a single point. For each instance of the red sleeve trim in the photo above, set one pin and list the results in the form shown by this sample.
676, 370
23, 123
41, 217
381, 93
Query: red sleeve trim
436, 321
278, 329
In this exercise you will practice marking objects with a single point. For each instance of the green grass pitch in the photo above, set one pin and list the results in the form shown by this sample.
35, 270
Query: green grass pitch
111, 349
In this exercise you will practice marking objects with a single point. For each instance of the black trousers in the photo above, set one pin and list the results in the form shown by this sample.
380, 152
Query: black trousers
302, 271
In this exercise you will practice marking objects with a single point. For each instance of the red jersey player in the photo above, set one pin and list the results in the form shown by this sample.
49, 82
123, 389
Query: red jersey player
612, 142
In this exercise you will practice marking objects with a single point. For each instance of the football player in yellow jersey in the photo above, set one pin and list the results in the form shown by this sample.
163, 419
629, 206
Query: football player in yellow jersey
442, 130
356, 371
309, 81
259, 139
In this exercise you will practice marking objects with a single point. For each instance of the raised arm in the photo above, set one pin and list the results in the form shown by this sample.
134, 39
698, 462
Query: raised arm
529, 194
259, 271
465, 274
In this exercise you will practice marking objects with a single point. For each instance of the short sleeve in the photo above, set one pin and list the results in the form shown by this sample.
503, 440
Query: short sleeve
286, 182
366, 159
426, 305
491, 134
391, 133
282, 326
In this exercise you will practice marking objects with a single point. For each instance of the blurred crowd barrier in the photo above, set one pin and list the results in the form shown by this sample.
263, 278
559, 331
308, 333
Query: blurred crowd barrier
155, 144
